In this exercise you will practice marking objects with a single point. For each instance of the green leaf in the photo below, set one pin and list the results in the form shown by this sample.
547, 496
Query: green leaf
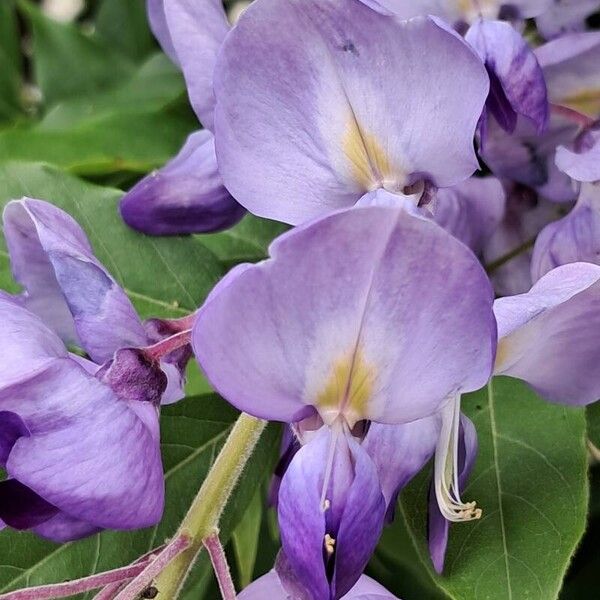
10, 61
245, 539
134, 127
192, 433
530, 479
123, 24
67, 62
593, 421
248, 241
163, 276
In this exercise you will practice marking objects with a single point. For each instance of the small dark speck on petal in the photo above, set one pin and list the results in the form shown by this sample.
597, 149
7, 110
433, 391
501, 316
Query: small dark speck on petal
350, 47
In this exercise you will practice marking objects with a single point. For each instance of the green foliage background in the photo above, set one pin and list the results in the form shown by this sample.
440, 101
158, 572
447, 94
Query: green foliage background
85, 110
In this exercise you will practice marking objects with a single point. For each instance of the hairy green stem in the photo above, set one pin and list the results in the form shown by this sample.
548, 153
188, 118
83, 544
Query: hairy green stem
202, 519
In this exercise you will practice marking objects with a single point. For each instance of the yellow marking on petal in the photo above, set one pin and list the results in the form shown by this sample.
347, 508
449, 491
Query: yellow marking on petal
348, 389
586, 102
370, 164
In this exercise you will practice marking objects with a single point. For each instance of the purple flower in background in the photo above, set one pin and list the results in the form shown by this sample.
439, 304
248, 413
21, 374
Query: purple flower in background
472, 210
78, 455
573, 238
582, 161
517, 85
352, 102
508, 251
367, 315
548, 337
565, 16
458, 12
187, 195
73, 293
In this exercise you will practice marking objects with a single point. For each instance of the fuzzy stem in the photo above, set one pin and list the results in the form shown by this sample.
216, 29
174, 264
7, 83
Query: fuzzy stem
220, 566
153, 568
77, 586
168, 345
204, 514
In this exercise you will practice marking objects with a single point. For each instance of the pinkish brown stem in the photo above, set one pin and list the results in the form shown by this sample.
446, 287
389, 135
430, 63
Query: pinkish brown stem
168, 345
572, 115
219, 562
153, 568
77, 586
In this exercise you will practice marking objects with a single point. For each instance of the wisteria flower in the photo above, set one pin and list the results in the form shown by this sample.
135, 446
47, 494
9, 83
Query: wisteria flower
74, 294
352, 102
370, 314
187, 195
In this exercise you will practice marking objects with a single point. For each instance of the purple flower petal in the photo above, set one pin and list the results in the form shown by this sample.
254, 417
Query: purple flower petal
438, 526
399, 453
11, 429
186, 196
565, 16
270, 586
581, 163
574, 238
570, 66
408, 297
62, 528
472, 210
347, 532
191, 33
548, 337
517, 80
65, 284
371, 103
21, 507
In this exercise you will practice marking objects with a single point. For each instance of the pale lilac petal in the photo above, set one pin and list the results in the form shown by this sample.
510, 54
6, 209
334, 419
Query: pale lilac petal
517, 81
438, 526
410, 297
458, 11
185, 196
27, 346
399, 453
196, 31
270, 586
52, 259
90, 454
583, 162
472, 210
565, 16
371, 102
574, 238
570, 66
158, 24
549, 336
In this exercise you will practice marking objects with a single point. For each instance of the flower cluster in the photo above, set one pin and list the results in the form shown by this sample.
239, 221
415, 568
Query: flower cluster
411, 144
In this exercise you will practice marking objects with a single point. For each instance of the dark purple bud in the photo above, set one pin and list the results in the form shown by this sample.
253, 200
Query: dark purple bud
186, 196
134, 376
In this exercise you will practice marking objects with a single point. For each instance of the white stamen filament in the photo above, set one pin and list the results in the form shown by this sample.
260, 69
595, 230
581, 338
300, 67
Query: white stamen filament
446, 468
329, 544
336, 428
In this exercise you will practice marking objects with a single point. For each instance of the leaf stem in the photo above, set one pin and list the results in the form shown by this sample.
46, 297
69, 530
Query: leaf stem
219, 562
205, 512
